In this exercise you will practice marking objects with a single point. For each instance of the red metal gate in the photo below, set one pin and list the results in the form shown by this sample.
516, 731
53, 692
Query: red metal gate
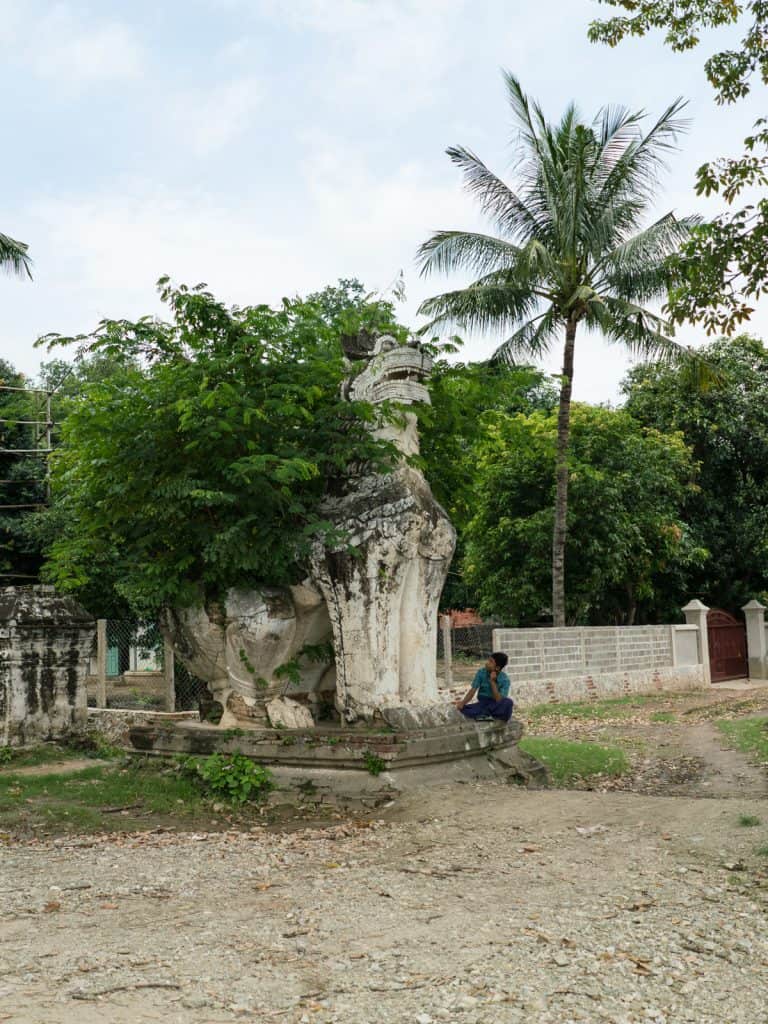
727, 646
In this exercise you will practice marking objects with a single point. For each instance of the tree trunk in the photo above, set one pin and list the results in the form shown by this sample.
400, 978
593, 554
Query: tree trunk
561, 480
631, 606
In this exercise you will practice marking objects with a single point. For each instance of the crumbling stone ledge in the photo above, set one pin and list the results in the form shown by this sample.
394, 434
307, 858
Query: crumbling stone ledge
114, 724
365, 764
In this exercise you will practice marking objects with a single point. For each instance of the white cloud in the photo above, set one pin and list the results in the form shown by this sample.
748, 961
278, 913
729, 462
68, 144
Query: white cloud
210, 118
60, 43
392, 55
100, 256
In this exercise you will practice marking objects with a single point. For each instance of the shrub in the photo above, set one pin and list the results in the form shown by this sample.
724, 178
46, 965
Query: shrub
233, 777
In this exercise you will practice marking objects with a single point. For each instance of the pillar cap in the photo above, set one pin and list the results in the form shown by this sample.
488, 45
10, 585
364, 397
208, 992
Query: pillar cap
695, 606
753, 606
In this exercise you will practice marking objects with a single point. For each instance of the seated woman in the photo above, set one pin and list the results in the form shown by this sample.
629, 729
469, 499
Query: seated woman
491, 685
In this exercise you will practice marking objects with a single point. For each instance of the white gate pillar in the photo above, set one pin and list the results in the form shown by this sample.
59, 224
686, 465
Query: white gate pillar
695, 613
754, 613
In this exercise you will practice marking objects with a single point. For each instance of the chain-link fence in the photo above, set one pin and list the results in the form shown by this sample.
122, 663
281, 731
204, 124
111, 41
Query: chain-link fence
188, 689
468, 643
460, 651
132, 666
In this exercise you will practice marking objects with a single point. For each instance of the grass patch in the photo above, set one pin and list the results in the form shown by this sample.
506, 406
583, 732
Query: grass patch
77, 801
29, 757
747, 734
614, 707
91, 745
568, 760
749, 821
663, 716
762, 851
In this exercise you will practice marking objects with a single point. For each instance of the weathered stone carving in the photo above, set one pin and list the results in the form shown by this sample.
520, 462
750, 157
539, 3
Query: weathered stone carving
382, 586
240, 647
45, 641
376, 592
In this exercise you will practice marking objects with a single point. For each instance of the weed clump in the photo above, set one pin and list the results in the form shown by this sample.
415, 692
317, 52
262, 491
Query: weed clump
234, 778
748, 820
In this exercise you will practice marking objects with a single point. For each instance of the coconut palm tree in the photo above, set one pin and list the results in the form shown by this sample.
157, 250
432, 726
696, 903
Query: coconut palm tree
14, 258
568, 252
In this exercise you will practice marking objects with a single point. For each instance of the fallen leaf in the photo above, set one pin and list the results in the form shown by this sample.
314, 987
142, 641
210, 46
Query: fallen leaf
51, 907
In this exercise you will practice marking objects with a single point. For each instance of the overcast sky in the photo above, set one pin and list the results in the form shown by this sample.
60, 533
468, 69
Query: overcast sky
269, 147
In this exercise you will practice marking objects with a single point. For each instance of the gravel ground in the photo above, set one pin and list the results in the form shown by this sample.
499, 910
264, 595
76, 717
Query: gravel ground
474, 905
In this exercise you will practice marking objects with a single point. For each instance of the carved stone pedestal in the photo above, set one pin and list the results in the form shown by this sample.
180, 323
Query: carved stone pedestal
367, 766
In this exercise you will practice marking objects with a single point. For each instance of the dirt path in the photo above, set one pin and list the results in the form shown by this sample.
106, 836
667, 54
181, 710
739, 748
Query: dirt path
725, 772
471, 905
672, 741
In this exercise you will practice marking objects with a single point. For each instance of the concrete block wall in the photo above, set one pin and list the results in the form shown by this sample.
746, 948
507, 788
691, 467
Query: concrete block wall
574, 663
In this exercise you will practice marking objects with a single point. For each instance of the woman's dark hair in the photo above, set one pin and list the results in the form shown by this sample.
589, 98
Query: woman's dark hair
500, 658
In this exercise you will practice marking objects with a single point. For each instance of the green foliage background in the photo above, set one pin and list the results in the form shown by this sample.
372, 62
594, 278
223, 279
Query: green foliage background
629, 549
726, 426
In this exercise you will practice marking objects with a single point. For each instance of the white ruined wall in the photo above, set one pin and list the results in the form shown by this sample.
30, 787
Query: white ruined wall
574, 663
45, 641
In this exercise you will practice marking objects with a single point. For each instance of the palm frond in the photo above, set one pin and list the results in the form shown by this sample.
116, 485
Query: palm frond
465, 250
485, 305
497, 200
648, 337
637, 267
532, 341
13, 257
645, 334
525, 112
633, 159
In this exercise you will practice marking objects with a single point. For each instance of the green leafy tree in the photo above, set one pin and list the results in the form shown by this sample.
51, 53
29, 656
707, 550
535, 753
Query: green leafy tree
569, 253
14, 257
628, 550
721, 269
21, 477
23, 418
727, 427
348, 308
201, 460
453, 427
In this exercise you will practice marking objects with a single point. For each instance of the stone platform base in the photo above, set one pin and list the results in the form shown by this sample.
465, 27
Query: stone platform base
367, 765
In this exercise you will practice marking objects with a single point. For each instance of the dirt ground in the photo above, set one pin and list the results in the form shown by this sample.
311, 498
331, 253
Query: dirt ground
642, 901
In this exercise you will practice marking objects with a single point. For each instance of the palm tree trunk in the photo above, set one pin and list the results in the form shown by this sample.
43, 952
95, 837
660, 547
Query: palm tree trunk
561, 479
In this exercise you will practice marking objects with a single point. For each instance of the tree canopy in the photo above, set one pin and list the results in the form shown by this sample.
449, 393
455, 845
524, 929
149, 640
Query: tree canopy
464, 396
726, 427
721, 270
629, 547
21, 477
201, 459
